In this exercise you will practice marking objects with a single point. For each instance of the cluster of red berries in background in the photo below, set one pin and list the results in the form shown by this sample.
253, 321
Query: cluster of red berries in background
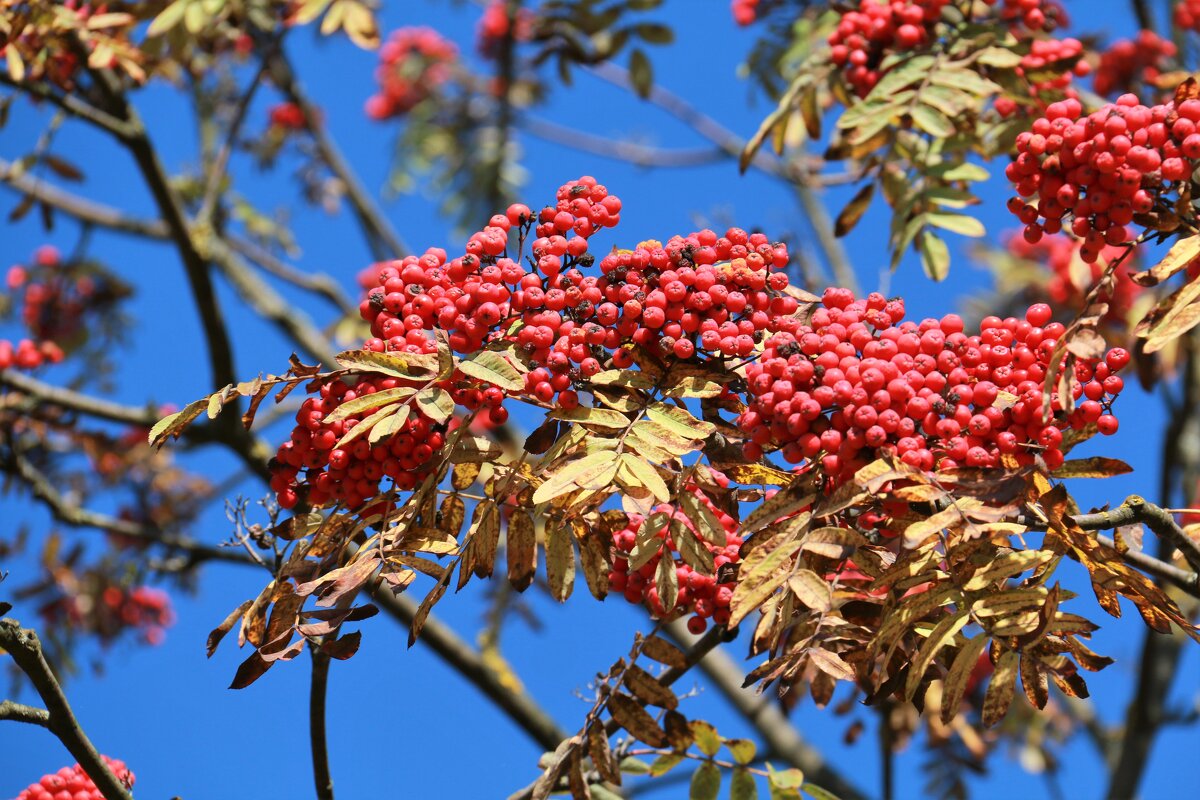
413, 63
856, 382
493, 27
745, 12
1098, 170
1127, 62
55, 299
876, 29
1055, 84
72, 783
1072, 278
109, 610
1187, 15
1035, 15
704, 596
287, 117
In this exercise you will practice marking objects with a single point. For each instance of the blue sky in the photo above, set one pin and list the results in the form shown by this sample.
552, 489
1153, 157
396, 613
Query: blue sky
400, 721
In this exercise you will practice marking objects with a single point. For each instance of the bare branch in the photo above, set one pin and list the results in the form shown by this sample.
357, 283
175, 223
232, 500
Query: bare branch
318, 283
216, 173
25, 650
467, 662
18, 712
43, 490
81, 208
1137, 509
74, 105
384, 240
322, 779
631, 152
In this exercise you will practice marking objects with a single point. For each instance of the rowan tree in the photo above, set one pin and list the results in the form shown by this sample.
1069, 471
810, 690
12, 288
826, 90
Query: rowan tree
780, 481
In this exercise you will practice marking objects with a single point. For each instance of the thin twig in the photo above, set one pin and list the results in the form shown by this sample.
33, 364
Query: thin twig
318, 283
1137, 509
44, 491
19, 712
25, 650
74, 105
322, 780
467, 662
82, 209
639, 155
384, 240
216, 173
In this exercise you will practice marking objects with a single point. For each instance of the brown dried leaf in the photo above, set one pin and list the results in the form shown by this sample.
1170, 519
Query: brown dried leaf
521, 550
629, 714
648, 689
218, 633
664, 652
560, 560
1001, 689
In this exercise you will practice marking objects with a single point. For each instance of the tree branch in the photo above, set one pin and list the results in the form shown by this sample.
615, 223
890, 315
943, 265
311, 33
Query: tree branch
466, 661
82, 209
383, 239
25, 649
18, 712
777, 732
318, 283
631, 152
322, 779
74, 105
1137, 509
43, 490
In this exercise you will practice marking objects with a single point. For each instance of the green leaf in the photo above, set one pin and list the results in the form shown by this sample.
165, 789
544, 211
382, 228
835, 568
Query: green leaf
494, 368
634, 471
396, 364
168, 18
707, 739
665, 763
599, 417
655, 33
435, 403
596, 467
932, 121
999, 57
935, 255
369, 401
742, 750
706, 783
960, 172
742, 785
784, 779
368, 423
641, 73
956, 223
173, 424
817, 793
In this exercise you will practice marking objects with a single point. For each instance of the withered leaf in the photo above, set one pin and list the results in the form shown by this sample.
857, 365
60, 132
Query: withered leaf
1001, 689
648, 689
218, 633
249, 671
343, 647
630, 715
521, 550
664, 652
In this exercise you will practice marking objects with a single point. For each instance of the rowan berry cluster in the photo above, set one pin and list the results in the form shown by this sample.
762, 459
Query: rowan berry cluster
876, 29
413, 63
494, 27
1045, 58
1064, 289
55, 299
745, 12
318, 463
1099, 170
287, 117
1187, 15
855, 383
72, 783
1036, 15
702, 595
1127, 62
95, 605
